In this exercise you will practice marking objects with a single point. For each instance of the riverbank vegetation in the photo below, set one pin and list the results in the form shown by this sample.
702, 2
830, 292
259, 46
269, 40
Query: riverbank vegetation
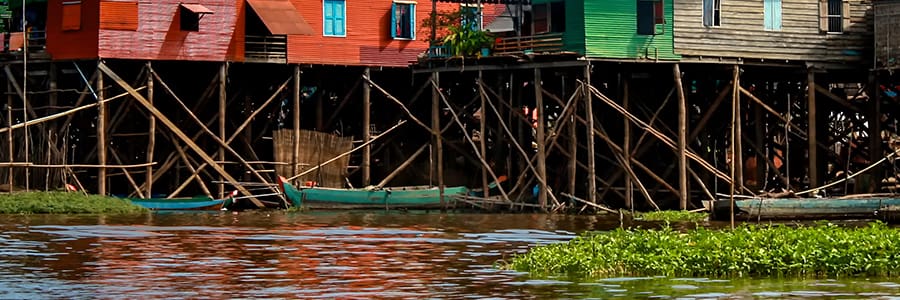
672, 216
772, 250
64, 203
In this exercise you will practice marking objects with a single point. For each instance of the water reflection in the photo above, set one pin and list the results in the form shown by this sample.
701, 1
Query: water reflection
330, 255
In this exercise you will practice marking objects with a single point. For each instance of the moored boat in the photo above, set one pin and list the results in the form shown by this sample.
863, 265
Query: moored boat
412, 197
806, 208
194, 203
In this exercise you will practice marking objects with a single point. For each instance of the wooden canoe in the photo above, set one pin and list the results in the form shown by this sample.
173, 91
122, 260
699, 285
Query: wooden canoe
195, 203
805, 208
414, 197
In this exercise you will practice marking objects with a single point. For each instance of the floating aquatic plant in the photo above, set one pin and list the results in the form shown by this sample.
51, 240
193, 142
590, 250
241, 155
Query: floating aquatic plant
64, 203
776, 250
672, 216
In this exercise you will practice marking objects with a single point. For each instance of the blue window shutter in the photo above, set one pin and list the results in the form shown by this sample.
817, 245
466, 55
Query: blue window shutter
767, 14
412, 21
776, 8
393, 26
772, 14
708, 13
339, 18
328, 17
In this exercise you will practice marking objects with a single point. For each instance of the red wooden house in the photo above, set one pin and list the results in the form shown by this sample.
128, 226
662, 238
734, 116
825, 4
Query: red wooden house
336, 32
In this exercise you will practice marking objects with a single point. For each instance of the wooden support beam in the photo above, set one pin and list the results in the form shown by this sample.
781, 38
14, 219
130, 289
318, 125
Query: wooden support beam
540, 137
343, 103
223, 81
151, 137
101, 135
589, 115
295, 153
482, 142
137, 189
626, 139
682, 140
840, 101
10, 151
735, 116
701, 125
437, 138
176, 130
876, 149
366, 134
69, 112
812, 136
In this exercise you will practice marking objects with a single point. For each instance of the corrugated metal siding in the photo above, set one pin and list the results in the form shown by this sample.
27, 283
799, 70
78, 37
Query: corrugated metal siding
119, 15
611, 32
742, 33
887, 34
159, 36
73, 44
236, 47
368, 40
573, 38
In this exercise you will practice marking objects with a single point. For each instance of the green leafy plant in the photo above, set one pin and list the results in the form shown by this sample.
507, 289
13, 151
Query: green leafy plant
64, 203
465, 41
672, 216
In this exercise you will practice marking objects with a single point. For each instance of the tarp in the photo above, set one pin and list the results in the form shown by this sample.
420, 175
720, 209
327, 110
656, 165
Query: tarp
281, 17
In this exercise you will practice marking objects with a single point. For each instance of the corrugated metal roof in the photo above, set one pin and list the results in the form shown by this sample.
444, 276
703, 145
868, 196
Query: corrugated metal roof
281, 17
527, 2
197, 8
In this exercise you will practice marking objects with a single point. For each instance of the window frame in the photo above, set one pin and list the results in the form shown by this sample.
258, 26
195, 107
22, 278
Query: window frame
775, 18
715, 16
479, 14
194, 18
411, 6
343, 19
829, 17
658, 14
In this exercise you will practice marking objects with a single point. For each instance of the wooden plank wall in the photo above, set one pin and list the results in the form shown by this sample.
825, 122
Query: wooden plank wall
742, 33
887, 34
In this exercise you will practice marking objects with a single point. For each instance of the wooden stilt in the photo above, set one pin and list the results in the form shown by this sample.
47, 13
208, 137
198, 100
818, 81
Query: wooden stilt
223, 69
177, 131
759, 139
151, 136
876, 149
295, 155
9, 135
682, 140
366, 134
573, 152
482, 144
626, 144
589, 115
812, 135
101, 136
735, 102
541, 150
437, 138
137, 189
53, 101
739, 149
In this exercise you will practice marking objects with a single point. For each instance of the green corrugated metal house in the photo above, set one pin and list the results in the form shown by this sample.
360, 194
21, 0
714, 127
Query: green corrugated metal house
609, 29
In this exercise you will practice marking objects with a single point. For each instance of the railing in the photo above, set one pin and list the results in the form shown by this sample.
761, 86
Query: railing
270, 48
37, 41
544, 43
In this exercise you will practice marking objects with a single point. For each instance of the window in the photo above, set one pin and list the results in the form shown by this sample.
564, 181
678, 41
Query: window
649, 15
549, 17
403, 20
119, 15
712, 13
71, 15
334, 12
772, 14
471, 15
834, 15
190, 21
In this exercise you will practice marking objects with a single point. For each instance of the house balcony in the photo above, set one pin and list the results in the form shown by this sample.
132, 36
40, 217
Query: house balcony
14, 44
266, 49
533, 44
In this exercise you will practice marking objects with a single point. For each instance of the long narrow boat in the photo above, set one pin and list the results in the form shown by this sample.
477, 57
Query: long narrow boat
806, 208
195, 203
414, 197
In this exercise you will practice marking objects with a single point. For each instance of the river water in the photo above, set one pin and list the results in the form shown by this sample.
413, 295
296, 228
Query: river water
334, 255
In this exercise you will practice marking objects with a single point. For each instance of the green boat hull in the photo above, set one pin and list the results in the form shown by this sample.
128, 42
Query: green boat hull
805, 208
196, 203
387, 198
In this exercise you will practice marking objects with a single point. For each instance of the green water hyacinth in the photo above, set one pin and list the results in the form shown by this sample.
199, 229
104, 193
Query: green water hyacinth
64, 203
672, 216
776, 250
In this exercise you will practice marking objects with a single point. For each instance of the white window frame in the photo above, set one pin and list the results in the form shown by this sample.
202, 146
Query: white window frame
346, 21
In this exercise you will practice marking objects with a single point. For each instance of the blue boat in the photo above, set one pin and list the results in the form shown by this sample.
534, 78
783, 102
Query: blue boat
805, 208
195, 203
414, 197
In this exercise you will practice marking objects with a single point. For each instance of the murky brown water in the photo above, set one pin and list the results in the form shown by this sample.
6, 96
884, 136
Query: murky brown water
331, 255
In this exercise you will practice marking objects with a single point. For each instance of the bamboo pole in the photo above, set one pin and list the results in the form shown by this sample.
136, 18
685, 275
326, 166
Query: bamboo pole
738, 155
339, 156
589, 112
101, 136
626, 165
482, 144
151, 136
366, 134
81, 166
682, 140
769, 109
195, 174
9, 136
65, 113
812, 136
176, 130
875, 138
